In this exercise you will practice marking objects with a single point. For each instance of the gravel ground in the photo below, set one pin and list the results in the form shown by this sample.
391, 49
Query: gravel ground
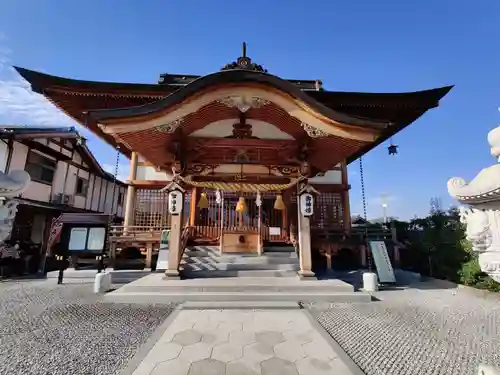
51, 329
418, 331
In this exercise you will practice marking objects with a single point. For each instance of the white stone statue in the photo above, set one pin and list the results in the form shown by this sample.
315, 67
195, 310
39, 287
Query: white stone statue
11, 185
482, 214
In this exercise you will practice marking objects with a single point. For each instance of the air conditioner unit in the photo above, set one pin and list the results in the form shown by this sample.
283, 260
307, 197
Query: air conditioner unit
61, 198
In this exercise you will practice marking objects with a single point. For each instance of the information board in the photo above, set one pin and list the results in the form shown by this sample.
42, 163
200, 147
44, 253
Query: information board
382, 262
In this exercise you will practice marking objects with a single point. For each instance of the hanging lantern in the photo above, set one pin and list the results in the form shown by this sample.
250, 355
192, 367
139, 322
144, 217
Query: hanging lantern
278, 203
393, 149
203, 203
241, 206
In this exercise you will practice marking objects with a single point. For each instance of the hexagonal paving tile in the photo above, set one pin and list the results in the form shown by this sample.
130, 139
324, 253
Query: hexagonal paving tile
241, 337
164, 351
258, 351
230, 326
319, 350
196, 352
187, 337
227, 352
215, 336
303, 337
173, 367
308, 366
207, 367
240, 368
290, 350
269, 337
278, 366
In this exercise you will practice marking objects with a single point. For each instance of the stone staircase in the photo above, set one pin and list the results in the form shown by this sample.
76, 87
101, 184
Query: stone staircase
207, 262
208, 276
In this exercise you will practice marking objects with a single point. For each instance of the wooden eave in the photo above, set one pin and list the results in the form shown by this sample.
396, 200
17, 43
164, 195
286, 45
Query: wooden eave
74, 97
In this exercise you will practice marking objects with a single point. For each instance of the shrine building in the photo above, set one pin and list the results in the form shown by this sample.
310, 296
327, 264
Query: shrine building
256, 160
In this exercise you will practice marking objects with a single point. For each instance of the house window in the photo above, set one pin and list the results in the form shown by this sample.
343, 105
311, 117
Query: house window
120, 199
40, 168
82, 186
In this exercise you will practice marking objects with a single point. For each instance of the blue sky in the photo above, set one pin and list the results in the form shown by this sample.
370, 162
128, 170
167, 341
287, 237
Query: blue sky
375, 46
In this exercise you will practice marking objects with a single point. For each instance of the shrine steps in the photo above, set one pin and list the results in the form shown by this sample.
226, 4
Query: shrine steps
207, 262
155, 288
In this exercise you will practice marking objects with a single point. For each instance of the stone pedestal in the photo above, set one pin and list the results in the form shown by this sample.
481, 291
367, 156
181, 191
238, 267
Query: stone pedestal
370, 282
482, 213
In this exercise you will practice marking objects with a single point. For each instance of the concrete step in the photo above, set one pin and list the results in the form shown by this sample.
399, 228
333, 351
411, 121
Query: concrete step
241, 260
279, 249
235, 305
194, 274
239, 266
250, 289
169, 297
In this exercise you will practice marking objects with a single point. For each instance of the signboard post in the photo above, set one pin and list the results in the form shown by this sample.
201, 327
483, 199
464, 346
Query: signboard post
382, 262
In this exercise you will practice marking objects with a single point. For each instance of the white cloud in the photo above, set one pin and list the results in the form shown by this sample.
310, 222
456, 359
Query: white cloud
18, 104
123, 170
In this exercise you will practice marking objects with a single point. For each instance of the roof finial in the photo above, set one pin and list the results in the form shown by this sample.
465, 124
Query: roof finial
244, 50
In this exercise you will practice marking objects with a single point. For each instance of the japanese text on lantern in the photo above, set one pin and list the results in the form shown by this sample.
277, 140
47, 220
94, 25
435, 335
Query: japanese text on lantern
175, 202
307, 204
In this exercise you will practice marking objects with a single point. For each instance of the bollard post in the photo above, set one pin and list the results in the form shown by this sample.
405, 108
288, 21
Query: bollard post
60, 260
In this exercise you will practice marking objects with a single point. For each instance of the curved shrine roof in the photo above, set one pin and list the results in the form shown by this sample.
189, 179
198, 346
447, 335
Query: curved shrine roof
386, 112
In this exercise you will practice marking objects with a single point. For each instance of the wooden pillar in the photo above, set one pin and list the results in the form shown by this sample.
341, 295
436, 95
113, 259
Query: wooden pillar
345, 199
192, 207
174, 243
260, 246
131, 192
304, 229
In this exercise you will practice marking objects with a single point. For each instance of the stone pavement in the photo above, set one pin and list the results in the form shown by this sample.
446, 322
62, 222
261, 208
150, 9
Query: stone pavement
242, 342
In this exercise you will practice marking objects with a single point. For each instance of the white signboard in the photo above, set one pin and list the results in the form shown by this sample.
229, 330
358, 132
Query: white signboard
175, 202
274, 231
306, 204
96, 239
382, 262
78, 239
162, 262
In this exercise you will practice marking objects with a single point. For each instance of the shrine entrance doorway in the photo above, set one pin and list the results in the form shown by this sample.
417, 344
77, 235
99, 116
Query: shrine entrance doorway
217, 213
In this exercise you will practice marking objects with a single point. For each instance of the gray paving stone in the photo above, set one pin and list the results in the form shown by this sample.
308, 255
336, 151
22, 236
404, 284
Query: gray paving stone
187, 337
302, 337
215, 337
164, 352
241, 337
319, 350
258, 351
227, 352
270, 338
309, 366
278, 366
173, 367
239, 368
206, 367
196, 352
290, 350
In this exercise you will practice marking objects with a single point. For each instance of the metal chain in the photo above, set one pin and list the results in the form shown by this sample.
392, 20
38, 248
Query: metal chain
110, 221
363, 197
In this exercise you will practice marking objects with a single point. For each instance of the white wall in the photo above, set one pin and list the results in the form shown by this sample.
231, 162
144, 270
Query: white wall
150, 173
330, 177
65, 179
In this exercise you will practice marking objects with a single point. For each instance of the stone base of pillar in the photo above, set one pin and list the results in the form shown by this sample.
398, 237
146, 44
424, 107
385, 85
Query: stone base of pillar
370, 282
306, 275
172, 275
